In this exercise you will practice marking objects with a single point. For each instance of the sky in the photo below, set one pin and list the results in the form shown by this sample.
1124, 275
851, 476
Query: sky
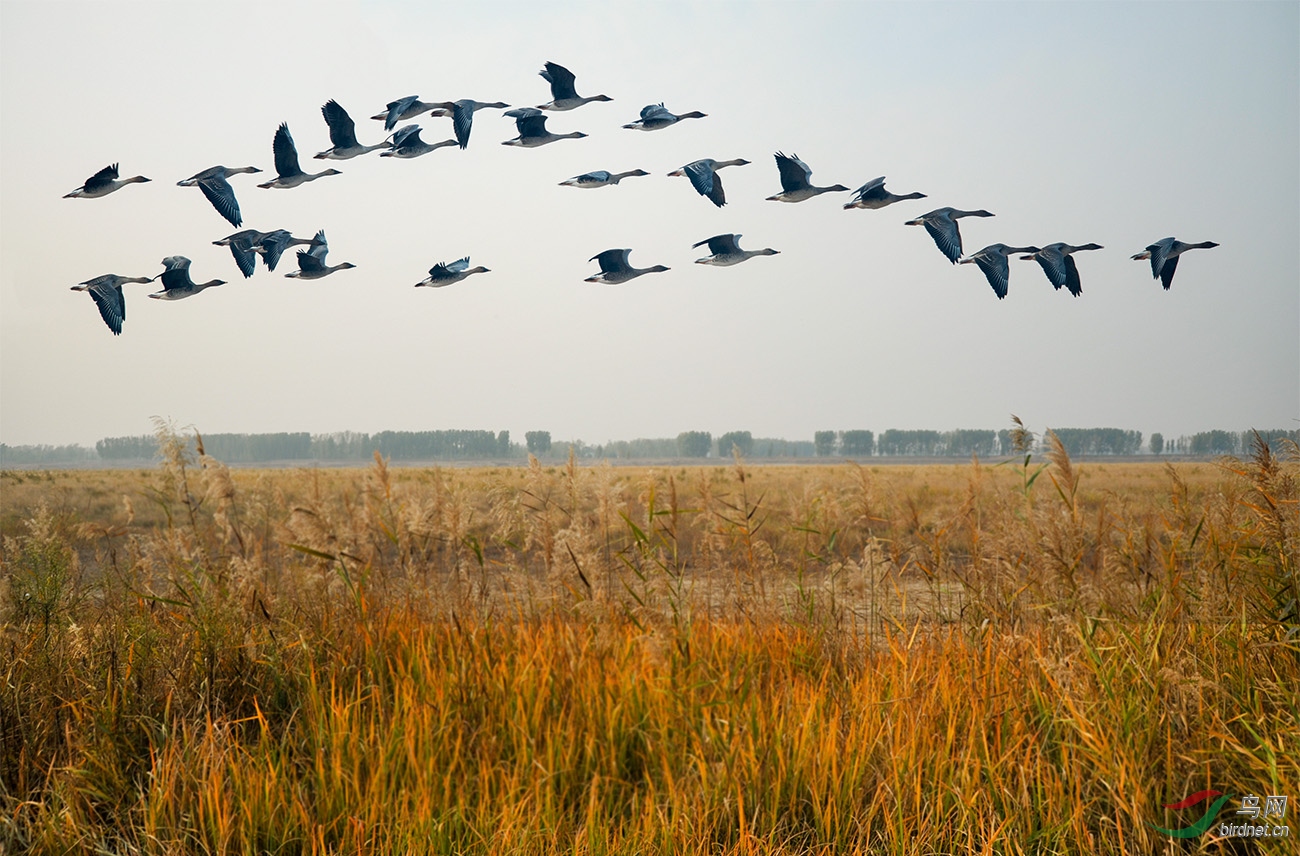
1113, 123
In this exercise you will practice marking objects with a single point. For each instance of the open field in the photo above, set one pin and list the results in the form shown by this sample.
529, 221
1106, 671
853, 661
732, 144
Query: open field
1029, 658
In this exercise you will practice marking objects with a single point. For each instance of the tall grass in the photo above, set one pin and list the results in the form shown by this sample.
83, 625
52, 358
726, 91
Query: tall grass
987, 659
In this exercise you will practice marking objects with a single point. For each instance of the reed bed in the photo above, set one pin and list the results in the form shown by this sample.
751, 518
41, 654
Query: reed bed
1033, 657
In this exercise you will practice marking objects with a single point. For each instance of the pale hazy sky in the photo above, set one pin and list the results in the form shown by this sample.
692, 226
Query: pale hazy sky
1118, 124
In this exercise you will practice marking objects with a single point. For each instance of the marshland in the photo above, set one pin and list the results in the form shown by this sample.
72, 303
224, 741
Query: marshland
1029, 656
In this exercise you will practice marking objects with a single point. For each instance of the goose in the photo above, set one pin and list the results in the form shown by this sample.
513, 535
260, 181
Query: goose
726, 251
531, 124
1058, 264
941, 223
176, 281
406, 143
1164, 257
993, 261
311, 263
106, 291
212, 181
462, 115
873, 195
286, 162
273, 245
563, 95
655, 116
403, 109
615, 270
704, 177
343, 134
103, 183
443, 274
795, 184
600, 178
241, 247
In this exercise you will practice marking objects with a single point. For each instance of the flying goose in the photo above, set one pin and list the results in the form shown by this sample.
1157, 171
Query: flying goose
563, 95
343, 134
1164, 257
286, 162
212, 181
531, 124
726, 251
941, 223
656, 116
103, 183
993, 261
403, 109
615, 270
406, 143
462, 115
873, 195
704, 177
443, 274
273, 245
600, 178
176, 281
795, 181
241, 247
106, 291
1058, 264
311, 263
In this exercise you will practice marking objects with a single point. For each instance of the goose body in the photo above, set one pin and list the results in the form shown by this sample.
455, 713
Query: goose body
993, 261
615, 270
289, 174
106, 291
343, 134
176, 281
212, 181
406, 143
874, 196
656, 116
703, 175
241, 247
103, 183
531, 124
796, 181
443, 274
726, 251
403, 109
273, 244
941, 223
563, 95
1164, 257
600, 178
311, 263
1058, 263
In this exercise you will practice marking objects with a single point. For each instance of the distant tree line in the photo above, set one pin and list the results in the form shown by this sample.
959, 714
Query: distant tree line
472, 445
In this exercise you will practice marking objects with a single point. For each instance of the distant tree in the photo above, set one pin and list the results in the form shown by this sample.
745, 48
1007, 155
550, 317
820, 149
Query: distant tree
1157, 443
1215, 443
694, 444
503, 443
824, 443
857, 444
741, 441
539, 442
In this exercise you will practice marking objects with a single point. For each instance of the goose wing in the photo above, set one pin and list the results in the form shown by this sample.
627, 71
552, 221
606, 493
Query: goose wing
1053, 262
531, 125
459, 265
600, 176
561, 80
1159, 252
1072, 281
111, 303
795, 174
222, 196
176, 273
612, 261
242, 250
101, 179
462, 121
651, 110
308, 263
706, 181
722, 245
996, 270
319, 249
396, 109
1167, 272
405, 136
273, 246
946, 236
872, 191
286, 154
343, 131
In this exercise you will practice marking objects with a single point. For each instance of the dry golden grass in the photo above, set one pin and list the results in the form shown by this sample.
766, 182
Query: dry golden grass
937, 659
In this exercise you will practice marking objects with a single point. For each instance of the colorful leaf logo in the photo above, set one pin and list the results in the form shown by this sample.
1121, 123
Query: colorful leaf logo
1202, 825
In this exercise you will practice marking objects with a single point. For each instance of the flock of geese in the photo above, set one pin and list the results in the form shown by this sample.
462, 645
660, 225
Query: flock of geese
1056, 260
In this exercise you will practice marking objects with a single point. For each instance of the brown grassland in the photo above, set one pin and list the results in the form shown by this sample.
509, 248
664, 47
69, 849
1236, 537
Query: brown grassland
1032, 657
